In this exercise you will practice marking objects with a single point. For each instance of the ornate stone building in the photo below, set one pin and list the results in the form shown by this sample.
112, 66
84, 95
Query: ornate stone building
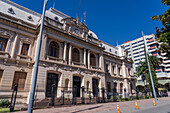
71, 56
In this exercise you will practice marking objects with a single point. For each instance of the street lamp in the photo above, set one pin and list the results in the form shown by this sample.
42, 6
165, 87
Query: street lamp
146, 50
35, 69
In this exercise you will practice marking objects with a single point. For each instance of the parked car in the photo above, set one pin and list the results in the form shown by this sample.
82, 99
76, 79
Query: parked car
164, 93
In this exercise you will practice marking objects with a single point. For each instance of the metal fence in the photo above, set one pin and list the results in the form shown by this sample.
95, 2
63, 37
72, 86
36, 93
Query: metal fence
81, 95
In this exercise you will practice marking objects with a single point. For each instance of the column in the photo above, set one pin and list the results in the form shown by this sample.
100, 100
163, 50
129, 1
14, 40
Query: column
69, 29
70, 54
97, 60
118, 87
110, 68
116, 69
8, 45
65, 50
126, 85
124, 70
20, 46
44, 47
84, 57
101, 61
14, 46
88, 58
29, 50
64, 26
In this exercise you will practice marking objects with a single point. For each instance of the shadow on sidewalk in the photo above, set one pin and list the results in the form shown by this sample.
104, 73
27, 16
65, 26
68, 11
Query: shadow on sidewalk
87, 109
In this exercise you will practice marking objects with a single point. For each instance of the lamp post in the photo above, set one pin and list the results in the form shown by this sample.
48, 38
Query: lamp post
146, 50
35, 69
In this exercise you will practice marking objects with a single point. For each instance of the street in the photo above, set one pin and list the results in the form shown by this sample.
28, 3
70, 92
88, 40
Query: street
145, 106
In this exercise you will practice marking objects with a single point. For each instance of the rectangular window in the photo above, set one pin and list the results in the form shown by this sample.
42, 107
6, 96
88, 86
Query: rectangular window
24, 50
129, 71
113, 69
1, 72
108, 87
119, 71
121, 88
107, 68
19, 78
3, 44
115, 87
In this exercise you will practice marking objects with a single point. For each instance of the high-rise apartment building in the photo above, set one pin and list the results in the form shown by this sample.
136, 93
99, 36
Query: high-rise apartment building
136, 52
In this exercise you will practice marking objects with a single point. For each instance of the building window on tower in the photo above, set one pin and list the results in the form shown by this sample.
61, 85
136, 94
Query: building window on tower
24, 50
19, 78
3, 44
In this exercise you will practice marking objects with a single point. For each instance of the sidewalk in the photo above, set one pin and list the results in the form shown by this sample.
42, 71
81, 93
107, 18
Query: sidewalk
94, 108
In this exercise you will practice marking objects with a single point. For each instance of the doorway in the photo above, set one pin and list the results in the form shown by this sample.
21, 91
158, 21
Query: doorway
95, 87
52, 84
76, 86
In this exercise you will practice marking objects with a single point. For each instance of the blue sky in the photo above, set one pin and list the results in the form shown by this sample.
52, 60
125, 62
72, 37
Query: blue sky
111, 20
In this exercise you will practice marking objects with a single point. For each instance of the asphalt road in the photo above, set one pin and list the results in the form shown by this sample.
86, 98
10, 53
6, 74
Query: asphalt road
161, 107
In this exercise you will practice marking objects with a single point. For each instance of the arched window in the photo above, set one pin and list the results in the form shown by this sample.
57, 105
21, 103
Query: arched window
76, 55
92, 60
66, 84
54, 49
88, 85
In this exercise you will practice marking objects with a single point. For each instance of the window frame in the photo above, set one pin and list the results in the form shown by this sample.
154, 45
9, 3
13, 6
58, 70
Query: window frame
24, 48
6, 42
55, 53
20, 79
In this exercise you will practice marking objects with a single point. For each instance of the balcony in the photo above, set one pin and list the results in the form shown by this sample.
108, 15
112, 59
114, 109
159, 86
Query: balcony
158, 70
4, 54
155, 54
167, 65
167, 61
50, 58
22, 57
78, 63
95, 67
167, 69
152, 47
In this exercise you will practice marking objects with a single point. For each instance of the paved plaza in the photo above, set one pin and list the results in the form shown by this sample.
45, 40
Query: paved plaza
125, 107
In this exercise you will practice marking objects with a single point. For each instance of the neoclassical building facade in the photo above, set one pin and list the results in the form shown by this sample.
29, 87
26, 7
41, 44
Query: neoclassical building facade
71, 56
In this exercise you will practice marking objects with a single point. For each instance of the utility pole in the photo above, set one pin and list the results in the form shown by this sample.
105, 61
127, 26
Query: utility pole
35, 69
146, 50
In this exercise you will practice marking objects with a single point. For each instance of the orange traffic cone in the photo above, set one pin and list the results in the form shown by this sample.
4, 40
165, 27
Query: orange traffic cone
154, 102
118, 110
136, 104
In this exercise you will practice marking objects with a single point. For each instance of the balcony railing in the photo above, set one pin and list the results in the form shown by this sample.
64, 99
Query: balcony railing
22, 57
95, 67
78, 63
54, 59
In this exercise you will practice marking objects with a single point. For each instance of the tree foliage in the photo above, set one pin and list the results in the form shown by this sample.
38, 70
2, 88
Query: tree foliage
163, 34
143, 70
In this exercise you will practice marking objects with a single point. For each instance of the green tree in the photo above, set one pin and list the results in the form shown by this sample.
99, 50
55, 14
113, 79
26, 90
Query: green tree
143, 70
163, 34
